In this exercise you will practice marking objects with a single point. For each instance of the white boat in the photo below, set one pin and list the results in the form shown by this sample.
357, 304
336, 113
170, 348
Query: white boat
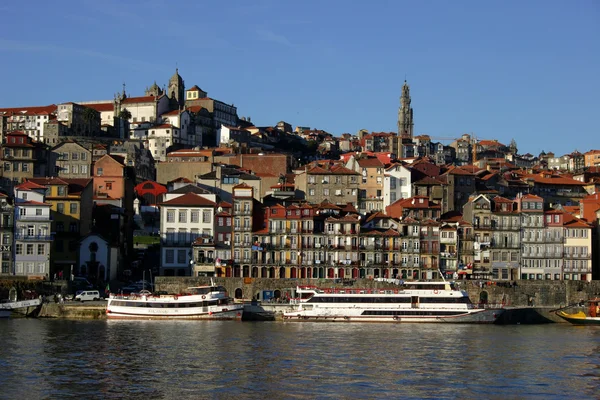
201, 302
410, 302
8, 306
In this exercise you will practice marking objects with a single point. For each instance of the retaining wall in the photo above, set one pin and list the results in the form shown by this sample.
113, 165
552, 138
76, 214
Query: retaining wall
520, 294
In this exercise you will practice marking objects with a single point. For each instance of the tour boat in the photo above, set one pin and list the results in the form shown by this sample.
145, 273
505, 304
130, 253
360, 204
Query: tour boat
201, 302
591, 316
410, 302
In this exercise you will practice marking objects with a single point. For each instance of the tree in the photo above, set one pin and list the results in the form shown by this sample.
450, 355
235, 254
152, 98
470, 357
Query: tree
125, 114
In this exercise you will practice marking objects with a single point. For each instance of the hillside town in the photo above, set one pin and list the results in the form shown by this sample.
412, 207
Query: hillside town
86, 186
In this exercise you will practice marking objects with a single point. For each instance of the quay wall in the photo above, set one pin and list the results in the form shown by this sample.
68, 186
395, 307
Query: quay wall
515, 294
72, 310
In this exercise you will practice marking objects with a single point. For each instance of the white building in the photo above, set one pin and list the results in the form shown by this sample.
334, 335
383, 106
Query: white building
96, 254
226, 133
158, 138
183, 219
397, 184
32, 231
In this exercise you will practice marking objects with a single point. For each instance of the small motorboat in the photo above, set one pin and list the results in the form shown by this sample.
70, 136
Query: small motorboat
583, 315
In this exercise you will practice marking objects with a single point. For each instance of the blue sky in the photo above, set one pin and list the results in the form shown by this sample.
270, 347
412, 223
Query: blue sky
527, 70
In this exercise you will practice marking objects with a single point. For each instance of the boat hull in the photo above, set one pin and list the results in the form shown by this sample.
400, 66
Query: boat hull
482, 316
223, 313
579, 318
23, 306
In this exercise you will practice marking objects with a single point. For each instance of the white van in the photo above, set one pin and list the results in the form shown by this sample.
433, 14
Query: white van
88, 295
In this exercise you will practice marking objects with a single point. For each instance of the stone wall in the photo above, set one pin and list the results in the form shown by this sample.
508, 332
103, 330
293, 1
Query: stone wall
523, 293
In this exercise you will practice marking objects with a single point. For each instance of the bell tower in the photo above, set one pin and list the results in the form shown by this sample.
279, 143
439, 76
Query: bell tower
405, 114
176, 91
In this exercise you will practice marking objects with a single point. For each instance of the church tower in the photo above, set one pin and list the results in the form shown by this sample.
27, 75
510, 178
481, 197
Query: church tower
176, 91
405, 114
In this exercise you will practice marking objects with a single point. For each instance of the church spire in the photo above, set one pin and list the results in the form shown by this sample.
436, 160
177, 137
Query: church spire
405, 113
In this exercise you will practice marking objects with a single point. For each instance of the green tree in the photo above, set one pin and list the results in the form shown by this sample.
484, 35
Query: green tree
125, 114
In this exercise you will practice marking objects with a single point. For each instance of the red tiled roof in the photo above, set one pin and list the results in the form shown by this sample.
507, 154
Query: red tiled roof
29, 185
190, 199
370, 163
35, 110
101, 106
143, 99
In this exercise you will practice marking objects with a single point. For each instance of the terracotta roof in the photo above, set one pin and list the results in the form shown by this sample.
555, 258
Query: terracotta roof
143, 99
101, 106
530, 196
29, 185
370, 163
181, 179
190, 199
195, 109
553, 179
35, 110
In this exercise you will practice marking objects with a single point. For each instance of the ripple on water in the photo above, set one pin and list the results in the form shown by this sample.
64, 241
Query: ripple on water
202, 359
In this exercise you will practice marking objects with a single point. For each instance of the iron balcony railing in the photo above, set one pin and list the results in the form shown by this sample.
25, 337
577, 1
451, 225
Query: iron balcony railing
20, 236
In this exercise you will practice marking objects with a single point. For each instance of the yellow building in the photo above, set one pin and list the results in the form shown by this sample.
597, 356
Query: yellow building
71, 213
577, 249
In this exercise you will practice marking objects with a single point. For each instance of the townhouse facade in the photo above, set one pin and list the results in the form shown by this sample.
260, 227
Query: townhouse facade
33, 236
7, 214
184, 219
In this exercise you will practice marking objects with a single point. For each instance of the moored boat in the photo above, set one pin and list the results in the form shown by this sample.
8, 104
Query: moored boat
201, 302
8, 306
583, 315
410, 302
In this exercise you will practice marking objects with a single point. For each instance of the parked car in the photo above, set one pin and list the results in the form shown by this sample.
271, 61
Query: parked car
88, 295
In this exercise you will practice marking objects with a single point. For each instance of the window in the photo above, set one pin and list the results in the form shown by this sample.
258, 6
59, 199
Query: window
41, 249
170, 256
19, 248
60, 208
171, 216
195, 216
206, 217
61, 190
181, 257
84, 169
73, 208
73, 227
29, 249
99, 171
182, 216
109, 186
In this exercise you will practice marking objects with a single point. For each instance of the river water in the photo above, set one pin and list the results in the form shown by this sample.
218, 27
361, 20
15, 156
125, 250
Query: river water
60, 359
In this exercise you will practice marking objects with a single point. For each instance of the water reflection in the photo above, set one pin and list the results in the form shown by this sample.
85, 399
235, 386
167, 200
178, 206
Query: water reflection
184, 359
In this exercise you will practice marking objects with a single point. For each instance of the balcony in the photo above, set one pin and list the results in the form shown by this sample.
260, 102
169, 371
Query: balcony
508, 227
33, 217
20, 236
577, 256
